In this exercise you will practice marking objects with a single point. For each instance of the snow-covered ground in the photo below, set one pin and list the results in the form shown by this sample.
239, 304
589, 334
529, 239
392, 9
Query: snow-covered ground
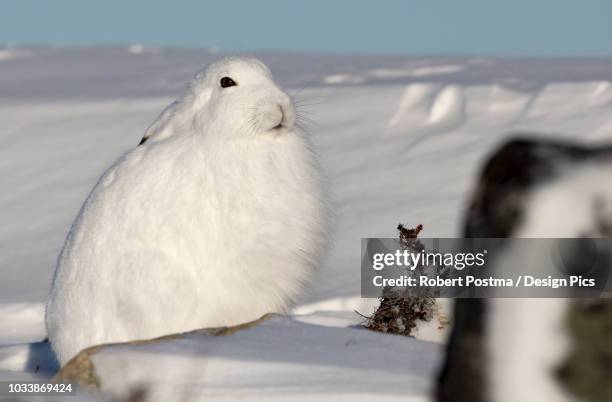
280, 359
400, 139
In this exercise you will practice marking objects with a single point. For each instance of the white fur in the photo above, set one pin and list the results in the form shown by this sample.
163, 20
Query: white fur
527, 338
526, 343
216, 220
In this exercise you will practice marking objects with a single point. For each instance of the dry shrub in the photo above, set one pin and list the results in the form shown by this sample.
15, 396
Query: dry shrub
399, 313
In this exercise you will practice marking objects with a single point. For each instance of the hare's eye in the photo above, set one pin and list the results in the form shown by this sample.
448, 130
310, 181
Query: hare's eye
227, 82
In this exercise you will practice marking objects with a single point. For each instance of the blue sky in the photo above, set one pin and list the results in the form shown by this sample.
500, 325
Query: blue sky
481, 27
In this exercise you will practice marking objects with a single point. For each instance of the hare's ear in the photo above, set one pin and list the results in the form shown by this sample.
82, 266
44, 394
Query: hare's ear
159, 127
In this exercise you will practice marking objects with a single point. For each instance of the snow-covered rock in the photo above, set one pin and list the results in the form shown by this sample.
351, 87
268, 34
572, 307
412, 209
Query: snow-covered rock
276, 358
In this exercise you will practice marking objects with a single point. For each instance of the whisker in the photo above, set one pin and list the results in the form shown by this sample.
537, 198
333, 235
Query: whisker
305, 112
308, 104
306, 122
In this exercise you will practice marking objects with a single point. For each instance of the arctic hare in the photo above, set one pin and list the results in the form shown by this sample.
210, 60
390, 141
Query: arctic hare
217, 218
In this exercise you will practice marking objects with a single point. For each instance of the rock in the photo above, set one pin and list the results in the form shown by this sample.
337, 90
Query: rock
80, 370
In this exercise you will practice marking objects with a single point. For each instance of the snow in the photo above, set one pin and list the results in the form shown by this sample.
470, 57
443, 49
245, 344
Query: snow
10, 53
280, 359
400, 139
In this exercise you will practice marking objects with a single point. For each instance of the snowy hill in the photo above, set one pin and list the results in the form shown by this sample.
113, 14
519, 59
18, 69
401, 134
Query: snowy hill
400, 140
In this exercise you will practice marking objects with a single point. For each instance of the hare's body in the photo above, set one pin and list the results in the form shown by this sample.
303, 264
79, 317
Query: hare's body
207, 224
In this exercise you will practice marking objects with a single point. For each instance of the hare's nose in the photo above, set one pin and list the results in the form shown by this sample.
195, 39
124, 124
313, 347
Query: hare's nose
287, 114
282, 115
279, 117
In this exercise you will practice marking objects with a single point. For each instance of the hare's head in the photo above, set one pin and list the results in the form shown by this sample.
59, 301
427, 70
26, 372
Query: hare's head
231, 97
